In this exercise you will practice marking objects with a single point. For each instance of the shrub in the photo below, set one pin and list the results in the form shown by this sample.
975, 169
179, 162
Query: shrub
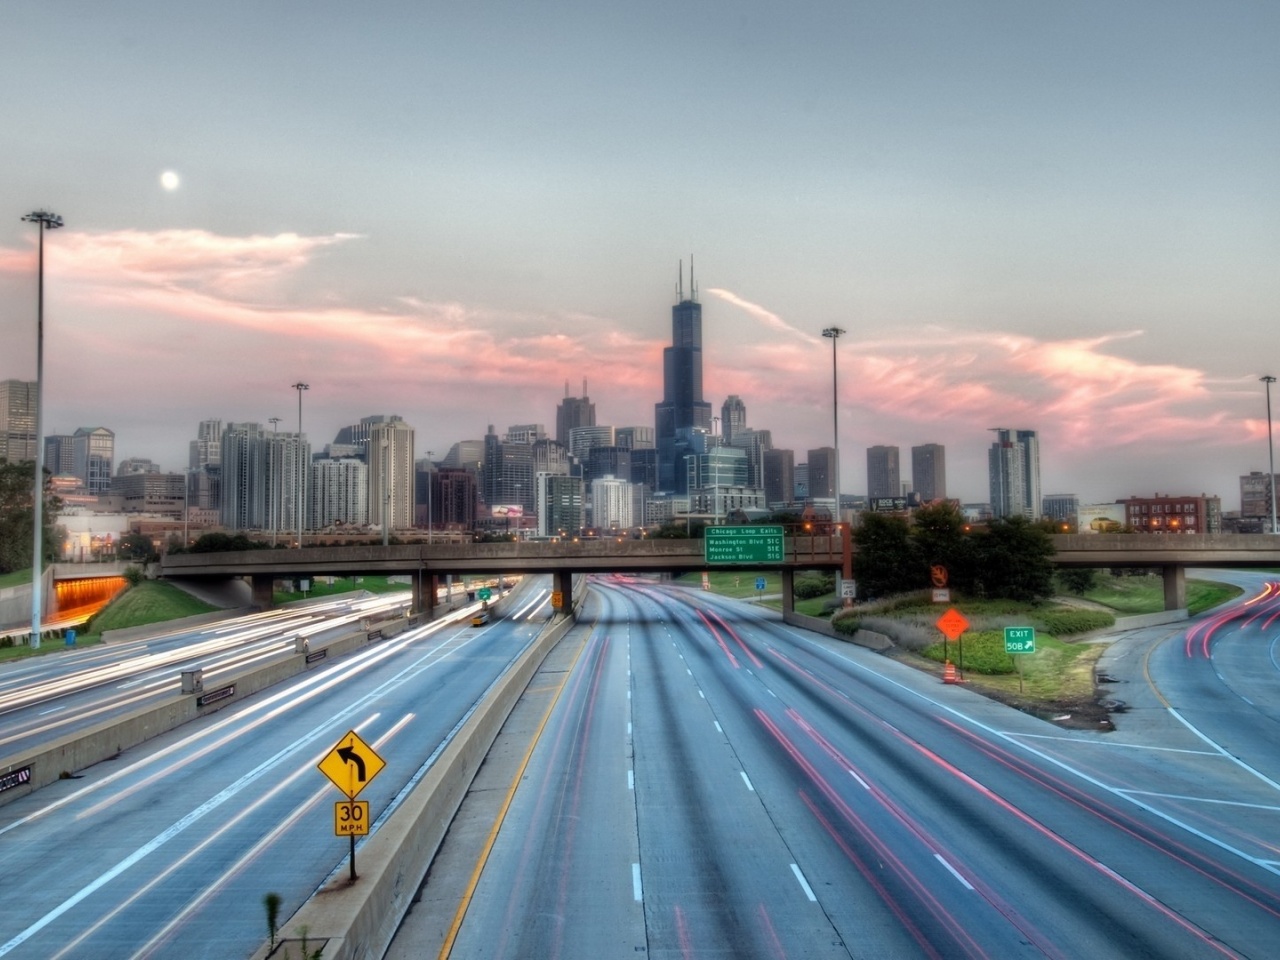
983, 652
1063, 622
809, 586
849, 624
133, 575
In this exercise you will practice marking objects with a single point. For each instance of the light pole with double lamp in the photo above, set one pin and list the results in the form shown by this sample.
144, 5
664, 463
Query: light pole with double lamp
834, 334
1271, 452
45, 221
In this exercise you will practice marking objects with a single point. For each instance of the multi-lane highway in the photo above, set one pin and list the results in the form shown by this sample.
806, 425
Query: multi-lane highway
47, 697
705, 782
168, 850
712, 783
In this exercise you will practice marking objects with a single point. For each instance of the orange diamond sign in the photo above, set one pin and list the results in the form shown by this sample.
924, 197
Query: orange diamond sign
952, 624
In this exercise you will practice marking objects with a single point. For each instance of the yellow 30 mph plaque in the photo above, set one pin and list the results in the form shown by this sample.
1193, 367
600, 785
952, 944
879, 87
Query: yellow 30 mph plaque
351, 818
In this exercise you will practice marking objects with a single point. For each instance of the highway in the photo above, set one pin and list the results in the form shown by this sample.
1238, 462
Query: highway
711, 783
168, 850
42, 698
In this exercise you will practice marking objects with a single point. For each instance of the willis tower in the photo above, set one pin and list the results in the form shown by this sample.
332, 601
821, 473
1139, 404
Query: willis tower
683, 418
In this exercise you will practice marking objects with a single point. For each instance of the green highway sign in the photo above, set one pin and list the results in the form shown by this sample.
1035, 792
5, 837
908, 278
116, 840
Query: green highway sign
742, 544
1019, 639
484, 593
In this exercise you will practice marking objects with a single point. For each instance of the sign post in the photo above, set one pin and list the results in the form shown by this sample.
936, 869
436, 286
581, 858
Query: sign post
350, 765
953, 624
1019, 640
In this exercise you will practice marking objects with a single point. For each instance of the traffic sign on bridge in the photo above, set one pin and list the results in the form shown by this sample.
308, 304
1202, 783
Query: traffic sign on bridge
746, 544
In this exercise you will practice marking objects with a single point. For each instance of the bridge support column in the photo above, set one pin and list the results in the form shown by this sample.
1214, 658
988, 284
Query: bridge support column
563, 585
1175, 587
424, 594
788, 591
263, 590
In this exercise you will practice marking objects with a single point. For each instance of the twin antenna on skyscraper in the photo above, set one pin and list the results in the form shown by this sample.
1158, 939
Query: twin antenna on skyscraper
693, 287
584, 388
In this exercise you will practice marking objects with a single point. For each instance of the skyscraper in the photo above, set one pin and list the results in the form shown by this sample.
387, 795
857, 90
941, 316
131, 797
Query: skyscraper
1013, 468
884, 472
929, 471
779, 476
822, 473
574, 412
390, 460
682, 409
17, 420
95, 449
733, 418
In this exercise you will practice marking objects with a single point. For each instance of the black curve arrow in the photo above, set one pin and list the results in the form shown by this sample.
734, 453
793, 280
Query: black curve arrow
350, 756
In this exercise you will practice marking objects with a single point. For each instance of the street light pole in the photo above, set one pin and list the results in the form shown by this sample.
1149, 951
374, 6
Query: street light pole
299, 498
834, 334
1271, 452
386, 494
276, 481
45, 221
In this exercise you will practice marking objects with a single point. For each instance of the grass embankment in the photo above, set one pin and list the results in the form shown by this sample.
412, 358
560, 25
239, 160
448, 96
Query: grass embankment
16, 578
152, 601
742, 585
320, 588
1145, 594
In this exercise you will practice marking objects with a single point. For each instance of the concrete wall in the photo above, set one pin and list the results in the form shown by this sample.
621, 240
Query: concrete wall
15, 603
863, 638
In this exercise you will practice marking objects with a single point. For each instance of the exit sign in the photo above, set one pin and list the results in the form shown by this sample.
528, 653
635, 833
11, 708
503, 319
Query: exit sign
745, 544
1019, 639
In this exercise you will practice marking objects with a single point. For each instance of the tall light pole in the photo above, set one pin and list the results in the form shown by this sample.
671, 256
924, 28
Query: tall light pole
45, 221
276, 481
834, 334
1271, 452
300, 498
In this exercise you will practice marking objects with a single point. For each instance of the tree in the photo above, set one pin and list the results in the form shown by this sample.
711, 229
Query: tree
15, 517
1078, 580
1012, 560
939, 539
886, 562
137, 546
221, 542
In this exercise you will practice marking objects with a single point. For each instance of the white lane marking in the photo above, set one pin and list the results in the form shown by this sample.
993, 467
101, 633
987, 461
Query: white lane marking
628, 724
44, 713
628, 692
1178, 796
688, 671
1107, 743
865, 785
636, 890
804, 884
743, 775
718, 728
631, 779
1016, 740
702, 695
953, 871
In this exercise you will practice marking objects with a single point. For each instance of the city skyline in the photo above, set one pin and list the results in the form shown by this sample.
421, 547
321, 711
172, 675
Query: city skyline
406, 224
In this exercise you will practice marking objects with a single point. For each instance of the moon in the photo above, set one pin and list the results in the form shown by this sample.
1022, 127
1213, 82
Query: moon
169, 180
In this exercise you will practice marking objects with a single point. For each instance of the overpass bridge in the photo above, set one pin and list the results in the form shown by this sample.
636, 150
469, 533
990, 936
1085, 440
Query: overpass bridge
1171, 554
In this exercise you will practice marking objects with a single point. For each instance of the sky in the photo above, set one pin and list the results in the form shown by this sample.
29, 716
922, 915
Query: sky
1061, 217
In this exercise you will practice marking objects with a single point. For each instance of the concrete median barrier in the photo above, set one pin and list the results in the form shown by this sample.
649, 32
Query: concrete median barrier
357, 921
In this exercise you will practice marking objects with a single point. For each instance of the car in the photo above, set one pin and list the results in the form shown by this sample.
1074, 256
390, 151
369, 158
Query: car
480, 619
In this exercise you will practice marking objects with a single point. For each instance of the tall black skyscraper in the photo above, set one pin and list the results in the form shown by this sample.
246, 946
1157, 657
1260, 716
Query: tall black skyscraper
682, 410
